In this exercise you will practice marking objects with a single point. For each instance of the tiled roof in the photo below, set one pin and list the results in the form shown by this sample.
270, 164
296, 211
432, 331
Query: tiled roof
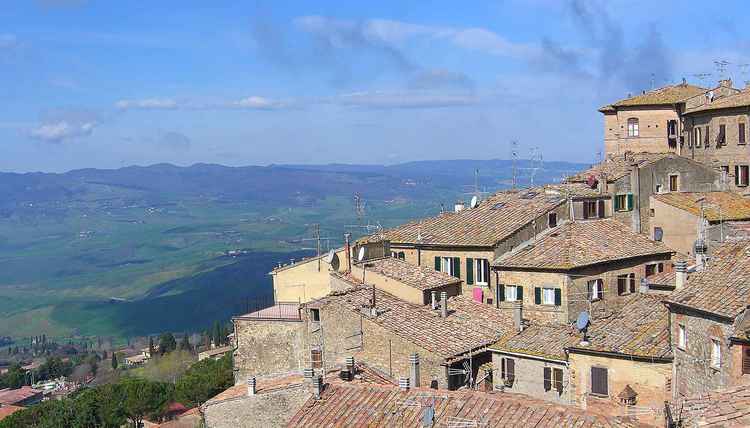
262, 386
617, 166
216, 351
541, 340
344, 405
418, 277
639, 328
732, 205
581, 243
493, 220
661, 96
741, 99
13, 396
723, 287
666, 278
726, 409
576, 190
469, 324
7, 410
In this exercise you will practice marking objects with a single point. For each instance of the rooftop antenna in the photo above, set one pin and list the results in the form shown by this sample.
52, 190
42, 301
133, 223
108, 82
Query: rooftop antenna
743, 70
653, 80
536, 162
721, 67
318, 241
359, 208
514, 157
476, 193
702, 76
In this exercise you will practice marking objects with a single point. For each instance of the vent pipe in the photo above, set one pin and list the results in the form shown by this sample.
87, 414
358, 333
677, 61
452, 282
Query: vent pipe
251, 384
414, 370
680, 275
443, 304
518, 316
403, 383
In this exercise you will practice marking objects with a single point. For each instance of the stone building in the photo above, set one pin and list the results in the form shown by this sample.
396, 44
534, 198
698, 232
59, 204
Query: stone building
678, 219
647, 122
632, 178
728, 407
565, 269
710, 324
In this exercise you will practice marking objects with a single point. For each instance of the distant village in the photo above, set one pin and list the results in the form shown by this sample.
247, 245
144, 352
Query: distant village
616, 298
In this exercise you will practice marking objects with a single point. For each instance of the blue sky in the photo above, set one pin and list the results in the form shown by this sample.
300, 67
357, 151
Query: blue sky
106, 84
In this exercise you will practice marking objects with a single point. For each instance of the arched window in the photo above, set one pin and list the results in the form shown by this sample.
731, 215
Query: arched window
632, 127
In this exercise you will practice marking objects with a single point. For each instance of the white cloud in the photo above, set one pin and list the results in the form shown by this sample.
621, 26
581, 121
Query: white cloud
56, 132
258, 103
406, 99
148, 104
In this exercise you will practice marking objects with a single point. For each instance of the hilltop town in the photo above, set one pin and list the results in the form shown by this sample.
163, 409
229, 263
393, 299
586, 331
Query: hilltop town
617, 297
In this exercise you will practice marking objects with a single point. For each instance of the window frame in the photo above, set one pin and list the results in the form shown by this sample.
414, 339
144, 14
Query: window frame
697, 136
314, 314
633, 127
596, 289
681, 337
544, 296
676, 178
741, 133
450, 268
603, 370
485, 274
739, 182
715, 353
515, 292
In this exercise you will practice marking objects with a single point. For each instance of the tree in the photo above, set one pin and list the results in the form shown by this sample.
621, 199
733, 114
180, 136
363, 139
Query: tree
151, 348
167, 343
204, 380
143, 398
185, 344
114, 361
217, 334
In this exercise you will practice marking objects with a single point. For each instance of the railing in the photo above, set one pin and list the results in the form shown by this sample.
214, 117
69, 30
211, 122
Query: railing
268, 309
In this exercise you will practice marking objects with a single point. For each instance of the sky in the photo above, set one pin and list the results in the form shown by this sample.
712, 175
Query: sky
106, 84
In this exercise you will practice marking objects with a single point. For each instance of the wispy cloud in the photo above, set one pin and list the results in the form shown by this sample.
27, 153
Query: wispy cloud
253, 102
56, 132
260, 103
148, 104
440, 79
405, 100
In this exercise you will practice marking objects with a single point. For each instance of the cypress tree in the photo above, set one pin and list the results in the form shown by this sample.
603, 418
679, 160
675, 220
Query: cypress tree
114, 361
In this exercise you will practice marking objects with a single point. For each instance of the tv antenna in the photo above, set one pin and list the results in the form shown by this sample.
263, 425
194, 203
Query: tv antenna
582, 324
476, 192
536, 162
743, 70
702, 76
721, 66
318, 241
514, 157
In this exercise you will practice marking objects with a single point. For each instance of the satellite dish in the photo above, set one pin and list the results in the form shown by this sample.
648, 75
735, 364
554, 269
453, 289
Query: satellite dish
474, 202
583, 321
361, 255
330, 256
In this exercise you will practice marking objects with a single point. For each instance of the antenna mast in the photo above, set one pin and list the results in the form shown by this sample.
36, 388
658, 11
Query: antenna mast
514, 156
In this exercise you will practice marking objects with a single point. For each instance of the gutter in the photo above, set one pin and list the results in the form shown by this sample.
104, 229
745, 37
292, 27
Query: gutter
529, 356
619, 355
729, 319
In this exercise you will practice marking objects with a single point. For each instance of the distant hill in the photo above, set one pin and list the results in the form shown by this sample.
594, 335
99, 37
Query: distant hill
84, 251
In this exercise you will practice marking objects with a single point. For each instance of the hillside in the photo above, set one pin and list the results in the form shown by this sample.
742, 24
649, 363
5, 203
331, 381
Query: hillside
135, 250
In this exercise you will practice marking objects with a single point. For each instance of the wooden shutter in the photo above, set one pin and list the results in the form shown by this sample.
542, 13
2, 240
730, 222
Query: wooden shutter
537, 296
457, 267
500, 292
632, 283
558, 297
510, 369
617, 203
486, 269
317, 358
707, 137
557, 376
600, 211
437, 263
469, 271
547, 378
629, 202
600, 289
599, 381
502, 368
745, 360
621, 284
589, 291
741, 133
519, 293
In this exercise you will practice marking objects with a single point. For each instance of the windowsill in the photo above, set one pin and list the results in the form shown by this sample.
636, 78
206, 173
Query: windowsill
594, 394
484, 284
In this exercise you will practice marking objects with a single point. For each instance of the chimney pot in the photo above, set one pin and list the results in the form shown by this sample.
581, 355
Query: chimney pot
251, 384
403, 383
518, 315
434, 300
350, 362
317, 386
680, 269
443, 304
308, 373
414, 370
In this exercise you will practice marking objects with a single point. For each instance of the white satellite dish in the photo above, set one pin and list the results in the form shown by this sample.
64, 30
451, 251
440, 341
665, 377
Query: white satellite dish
361, 255
474, 202
330, 256
583, 321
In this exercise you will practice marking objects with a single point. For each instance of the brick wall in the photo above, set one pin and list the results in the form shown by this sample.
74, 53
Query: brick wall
652, 124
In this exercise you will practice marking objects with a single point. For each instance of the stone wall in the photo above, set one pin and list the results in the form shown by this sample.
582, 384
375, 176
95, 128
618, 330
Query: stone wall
529, 378
529, 280
268, 347
267, 410
652, 124
679, 226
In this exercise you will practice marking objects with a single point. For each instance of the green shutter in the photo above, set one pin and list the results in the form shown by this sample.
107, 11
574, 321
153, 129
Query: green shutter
500, 292
519, 293
469, 271
558, 297
537, 295
630, 202
617, 203
437, 263
457, 267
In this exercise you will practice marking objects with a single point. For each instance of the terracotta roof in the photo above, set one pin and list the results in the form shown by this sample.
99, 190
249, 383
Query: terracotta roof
14, 396
7, 410
547, 341
661, 96
418, 277
666, 278
493, 220
640, 328
581, 243
469, 324
262, 386
723, 287
726, 408
344, 405
741, 99
733, 206
574, 189
617, 166
216, 351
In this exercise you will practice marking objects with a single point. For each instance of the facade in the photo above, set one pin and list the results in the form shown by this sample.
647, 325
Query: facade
710, 325
306, 279
566, 269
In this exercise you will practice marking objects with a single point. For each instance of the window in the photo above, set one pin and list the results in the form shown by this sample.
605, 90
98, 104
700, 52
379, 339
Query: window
511, 293
449, 265
624, 202
721, 139
741, 133
651, 212
673, 182
671, 129
622, 284
745, 360
740, 175
633, 127
715, 353
593, 209
697, 136
552, 220
547, 296
482, 271
724, 173
654, 268
401, 255
315, 315
595, 289
599, 384
632, 282
658, 188
508, 371
681, 336
658, 234
707, 137
553, 379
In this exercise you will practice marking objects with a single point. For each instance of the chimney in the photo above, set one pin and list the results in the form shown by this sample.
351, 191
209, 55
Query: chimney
317, 386
251, 384
518, 316
350, 364
684, 81
680, 274
459, 206
403, 383
443, 304
725, 83
414, 370
347, 237
434, 303
308, 374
